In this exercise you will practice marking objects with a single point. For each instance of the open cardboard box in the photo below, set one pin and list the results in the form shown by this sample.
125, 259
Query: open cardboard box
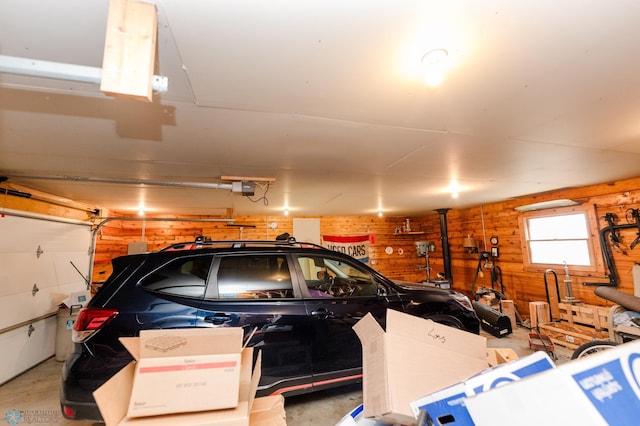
448, 406
183, 398
268, 411
601, 389
412, 358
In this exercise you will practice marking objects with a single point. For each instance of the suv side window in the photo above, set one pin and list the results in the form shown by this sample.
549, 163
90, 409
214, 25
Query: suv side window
260, 276
185, 276
328, 277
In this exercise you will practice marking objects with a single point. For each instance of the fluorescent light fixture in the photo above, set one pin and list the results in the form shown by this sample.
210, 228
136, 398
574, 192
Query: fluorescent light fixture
553, 204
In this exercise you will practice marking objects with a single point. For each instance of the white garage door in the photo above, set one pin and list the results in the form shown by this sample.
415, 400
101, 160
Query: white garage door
37, 258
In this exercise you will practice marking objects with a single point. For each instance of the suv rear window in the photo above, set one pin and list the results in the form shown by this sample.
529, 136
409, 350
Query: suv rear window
185, 276
254, 277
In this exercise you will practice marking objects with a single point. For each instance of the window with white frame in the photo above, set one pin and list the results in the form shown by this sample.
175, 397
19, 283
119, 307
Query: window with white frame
558, 236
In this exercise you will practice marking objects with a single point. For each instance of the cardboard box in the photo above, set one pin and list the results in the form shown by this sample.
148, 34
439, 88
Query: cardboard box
268, 411
177, 393
177, 366
448, 406
601, 389
496, 356
355, 417
412, 358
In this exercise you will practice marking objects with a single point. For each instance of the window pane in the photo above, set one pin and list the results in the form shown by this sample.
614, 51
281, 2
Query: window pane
316, 276
564, 227
182, 277
254, 277
329, 277
557, 252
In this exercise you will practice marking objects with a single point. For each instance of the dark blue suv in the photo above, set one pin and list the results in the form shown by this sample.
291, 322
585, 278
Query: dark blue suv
299, 300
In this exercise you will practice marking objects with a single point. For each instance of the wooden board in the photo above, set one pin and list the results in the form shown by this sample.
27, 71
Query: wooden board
539, 313
571, 336
591, 315
508, 308
129, 50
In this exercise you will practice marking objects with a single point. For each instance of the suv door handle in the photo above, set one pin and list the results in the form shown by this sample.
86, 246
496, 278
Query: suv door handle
217, 318
322, 313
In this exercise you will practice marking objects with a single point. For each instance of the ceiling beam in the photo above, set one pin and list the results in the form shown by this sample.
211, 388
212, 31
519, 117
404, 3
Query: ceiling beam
129, 51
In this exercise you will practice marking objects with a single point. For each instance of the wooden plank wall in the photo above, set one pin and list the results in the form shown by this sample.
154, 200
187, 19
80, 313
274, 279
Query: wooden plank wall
114, 237
500, 219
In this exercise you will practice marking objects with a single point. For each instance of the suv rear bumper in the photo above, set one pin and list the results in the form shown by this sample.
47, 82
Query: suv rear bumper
74, 410
76, 393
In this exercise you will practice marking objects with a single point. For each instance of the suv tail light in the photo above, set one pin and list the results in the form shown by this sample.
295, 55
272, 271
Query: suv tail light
68, 412
89, 321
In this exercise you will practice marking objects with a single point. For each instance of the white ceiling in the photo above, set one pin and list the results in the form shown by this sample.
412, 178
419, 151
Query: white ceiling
326, 97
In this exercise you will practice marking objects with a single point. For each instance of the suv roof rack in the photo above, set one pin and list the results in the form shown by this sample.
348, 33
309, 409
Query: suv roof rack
202, 241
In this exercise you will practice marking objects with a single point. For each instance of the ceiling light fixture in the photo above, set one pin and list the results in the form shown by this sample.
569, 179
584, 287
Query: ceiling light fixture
454, 188
434, 65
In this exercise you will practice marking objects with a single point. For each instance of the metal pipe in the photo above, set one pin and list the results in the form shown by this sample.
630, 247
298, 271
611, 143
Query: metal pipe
29, 215
39, 197
444, 236
62, 71
207, 185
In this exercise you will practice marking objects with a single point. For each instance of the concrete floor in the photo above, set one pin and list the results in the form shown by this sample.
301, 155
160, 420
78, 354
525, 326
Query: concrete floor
35, 392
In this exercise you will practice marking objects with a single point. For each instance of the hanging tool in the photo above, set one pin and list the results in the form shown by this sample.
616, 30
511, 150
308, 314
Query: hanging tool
610, 218
496, 279
634, 222
483, 255
635, 219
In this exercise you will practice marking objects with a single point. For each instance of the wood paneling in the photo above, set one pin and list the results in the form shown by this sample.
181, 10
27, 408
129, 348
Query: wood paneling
501, 220
480, 222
